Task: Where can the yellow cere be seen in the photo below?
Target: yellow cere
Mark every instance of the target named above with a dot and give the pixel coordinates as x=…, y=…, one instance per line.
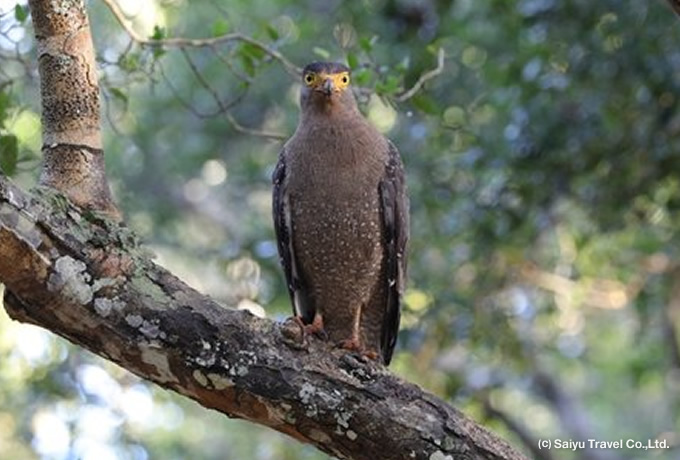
x=340, y=80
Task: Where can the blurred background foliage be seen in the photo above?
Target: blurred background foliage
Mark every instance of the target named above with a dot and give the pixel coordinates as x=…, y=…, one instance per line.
x=544, y=293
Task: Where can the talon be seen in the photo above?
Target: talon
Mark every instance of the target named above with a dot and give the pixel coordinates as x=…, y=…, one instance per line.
x=355, y=346
x=371, y=354
x=314, y=328
x=350, y=344
x=320, y=333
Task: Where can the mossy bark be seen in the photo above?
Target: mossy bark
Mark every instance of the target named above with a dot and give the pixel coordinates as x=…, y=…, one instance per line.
x=88, y=280
x=69, y=89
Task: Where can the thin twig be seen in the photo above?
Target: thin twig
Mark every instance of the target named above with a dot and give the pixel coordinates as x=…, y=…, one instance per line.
x=2, y=71
x=424, y=78
x=230, y=118
x=212, y=43
x=255, y=132
x=529, y=440
x=175, y=92
x=227, y=62
x=108, y=114
x=200, y=42
x=672, y=323
x=4, y=84
x=223, y=106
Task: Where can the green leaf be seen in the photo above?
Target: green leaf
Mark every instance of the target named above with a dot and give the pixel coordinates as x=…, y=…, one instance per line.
x=362, y=77
x=367, y=44
x=118, y=94
x=220, y=27
x=474, y=57
x=426, y=104
x=20, y=13
x=248, y=64
x=158, y=33
x=454, y=116
x=272, y=32
x=158, y=51
x=432, y=49
x=352, y=61
x=252, y=51
x=389, y=86
x=321, y=52
x=4, y=106
x=129, y=62
x=404, y=64
x=9, y=154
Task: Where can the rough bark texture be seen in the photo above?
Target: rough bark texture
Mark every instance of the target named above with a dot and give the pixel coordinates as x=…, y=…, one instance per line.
x=87, y=279
x=72, y=146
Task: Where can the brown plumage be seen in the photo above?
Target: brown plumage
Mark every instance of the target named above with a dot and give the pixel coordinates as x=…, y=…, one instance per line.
x=341, y=218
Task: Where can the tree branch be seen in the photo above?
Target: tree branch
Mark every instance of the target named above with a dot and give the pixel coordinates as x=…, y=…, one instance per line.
x=572, y=416
x=672, y=323
x=521, y=431
x=87, y=279
x=212, y=43
x=424, y=78
x=200, y=42
x=292, y=69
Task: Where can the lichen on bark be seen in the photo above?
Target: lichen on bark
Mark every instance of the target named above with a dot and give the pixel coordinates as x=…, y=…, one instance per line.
x=227, y=360
x=69, y=89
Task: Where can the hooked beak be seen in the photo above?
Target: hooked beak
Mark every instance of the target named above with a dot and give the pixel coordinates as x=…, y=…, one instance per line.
x=327, y=87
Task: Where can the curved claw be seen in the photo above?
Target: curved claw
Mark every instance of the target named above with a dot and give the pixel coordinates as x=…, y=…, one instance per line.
x=314, y=328
x=353, y=344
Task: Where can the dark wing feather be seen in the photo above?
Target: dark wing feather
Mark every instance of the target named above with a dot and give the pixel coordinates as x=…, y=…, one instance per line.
x=395, y=219
x=302, y=307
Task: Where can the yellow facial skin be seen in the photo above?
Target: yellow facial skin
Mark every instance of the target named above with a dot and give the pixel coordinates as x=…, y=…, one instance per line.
x=327, y=82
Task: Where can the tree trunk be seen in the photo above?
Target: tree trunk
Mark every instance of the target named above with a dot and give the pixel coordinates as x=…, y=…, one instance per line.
x=69, y=89
x=85, y=277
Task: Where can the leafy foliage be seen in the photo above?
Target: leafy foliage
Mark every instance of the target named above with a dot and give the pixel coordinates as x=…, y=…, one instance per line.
x=8, y=154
